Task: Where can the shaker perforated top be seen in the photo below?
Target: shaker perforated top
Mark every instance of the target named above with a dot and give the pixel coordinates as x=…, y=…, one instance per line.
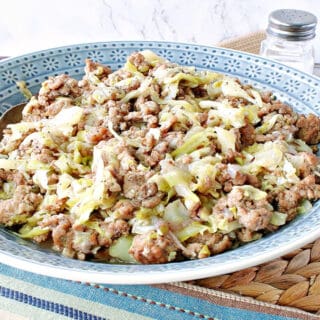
x=291, y=24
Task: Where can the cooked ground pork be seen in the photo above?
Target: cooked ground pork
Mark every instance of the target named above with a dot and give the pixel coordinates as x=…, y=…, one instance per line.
x=55, y=107
x=231, y=175
x=290, y=199
x=216, y=243
x=97, y=69
x=59, y=225
x=142, y=193
x=274, y=105
x=309, y=128
x=152, y=248
x=59, y=86
x=13, y=175
x=155, y=162
x=247, y=135
x=23, y=203
x=124, y=209
x=115, y=229
x=253, y=215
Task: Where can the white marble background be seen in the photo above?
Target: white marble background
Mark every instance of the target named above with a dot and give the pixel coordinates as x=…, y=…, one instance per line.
x=31, y=25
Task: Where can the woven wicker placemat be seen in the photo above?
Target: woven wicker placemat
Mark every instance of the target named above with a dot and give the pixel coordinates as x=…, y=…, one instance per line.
x=292, y=280
x=249, y=43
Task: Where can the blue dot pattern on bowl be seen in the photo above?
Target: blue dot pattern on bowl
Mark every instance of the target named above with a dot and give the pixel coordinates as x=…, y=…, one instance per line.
x=299, y=90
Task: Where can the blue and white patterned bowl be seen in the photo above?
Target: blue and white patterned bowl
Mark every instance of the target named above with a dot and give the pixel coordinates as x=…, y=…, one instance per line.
x=298, y=89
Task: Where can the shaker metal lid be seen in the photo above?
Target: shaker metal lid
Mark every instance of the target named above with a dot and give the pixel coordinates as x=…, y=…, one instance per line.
x=291, y=24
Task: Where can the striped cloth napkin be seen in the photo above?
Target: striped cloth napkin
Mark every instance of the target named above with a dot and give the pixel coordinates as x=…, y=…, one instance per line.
x=24, y=295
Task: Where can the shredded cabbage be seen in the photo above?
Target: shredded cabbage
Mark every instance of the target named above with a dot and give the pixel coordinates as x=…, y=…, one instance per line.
x=268, y=123
x=176, y=214
x=305, y=206
x=199, y=139
x=120, y=248
x=180, y=180
x=64, y=121
x=191, y=230
x=204, y=171
x=268, y=155
x=226, y=138
x=252, y=192
x=152, y=58
x=230, y=87
x=29, y=233
x=40, y=178
x=218, y=224
x=230, y=116
x=278, y=218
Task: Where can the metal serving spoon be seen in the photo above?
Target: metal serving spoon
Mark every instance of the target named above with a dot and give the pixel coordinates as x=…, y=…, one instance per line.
x=12, y=115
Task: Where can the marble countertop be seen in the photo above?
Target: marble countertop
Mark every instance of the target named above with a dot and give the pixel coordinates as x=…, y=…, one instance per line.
x=31, y=25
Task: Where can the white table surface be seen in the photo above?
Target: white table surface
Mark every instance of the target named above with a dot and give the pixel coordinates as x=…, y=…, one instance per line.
x=31, y=25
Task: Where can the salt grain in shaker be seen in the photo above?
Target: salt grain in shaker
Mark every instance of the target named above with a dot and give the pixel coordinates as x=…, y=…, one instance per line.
x=289, y=38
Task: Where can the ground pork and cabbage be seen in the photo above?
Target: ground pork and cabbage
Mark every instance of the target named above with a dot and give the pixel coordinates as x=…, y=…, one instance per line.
x=155, y=162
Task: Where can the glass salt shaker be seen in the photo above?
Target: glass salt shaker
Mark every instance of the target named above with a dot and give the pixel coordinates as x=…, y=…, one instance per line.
x=289, y=38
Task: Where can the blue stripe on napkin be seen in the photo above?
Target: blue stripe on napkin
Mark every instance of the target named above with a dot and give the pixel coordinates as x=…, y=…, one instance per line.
x=140, y=299
x=47, y=305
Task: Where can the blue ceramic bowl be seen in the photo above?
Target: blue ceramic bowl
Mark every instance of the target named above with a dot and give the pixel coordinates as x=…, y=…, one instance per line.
x=297, y=89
